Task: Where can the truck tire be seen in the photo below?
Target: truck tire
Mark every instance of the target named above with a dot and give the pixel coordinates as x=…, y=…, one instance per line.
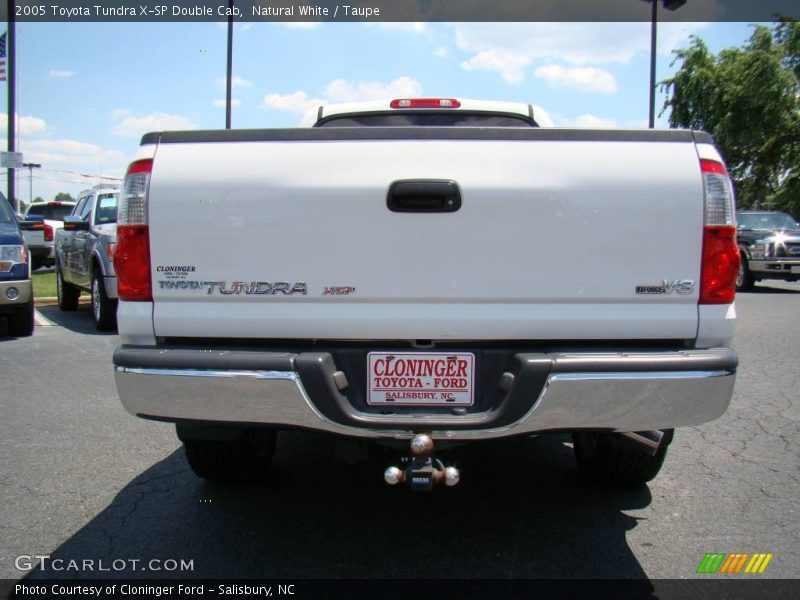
x=67, y=294
x=604, y=460
x=104, y=309
x=20, y=322
x=244, y=460
x=744, y=280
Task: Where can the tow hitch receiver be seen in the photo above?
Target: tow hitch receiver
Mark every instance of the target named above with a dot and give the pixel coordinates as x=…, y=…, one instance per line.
x=423, y=471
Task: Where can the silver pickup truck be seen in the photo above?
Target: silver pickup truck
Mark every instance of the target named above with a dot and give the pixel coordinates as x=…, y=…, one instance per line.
x=85, y=252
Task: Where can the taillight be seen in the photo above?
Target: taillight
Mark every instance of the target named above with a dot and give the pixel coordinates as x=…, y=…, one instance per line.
x=425, y=103
x=132, y=253
x=48, y=233
x=720, y=253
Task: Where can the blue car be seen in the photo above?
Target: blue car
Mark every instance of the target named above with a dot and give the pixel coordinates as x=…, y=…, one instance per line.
x=16, y=291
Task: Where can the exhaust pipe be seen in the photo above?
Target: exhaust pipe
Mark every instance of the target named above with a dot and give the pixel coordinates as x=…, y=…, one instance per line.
x=648, y=441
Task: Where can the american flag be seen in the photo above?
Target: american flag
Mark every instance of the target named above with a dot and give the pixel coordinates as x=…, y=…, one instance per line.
x=3, y=57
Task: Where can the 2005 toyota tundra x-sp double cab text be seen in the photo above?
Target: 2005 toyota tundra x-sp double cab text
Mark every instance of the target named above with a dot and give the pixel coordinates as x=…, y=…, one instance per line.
x=426, y=273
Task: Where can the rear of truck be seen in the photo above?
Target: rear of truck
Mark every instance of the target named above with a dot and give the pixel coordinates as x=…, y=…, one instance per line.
x=42, y=222
x=426, y=286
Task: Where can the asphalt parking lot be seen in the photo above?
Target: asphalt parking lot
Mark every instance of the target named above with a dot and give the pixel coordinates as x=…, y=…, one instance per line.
x=84, y=480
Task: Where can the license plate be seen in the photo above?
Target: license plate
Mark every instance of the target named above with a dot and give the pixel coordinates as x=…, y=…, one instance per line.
x=420, y=379
x=795, y=270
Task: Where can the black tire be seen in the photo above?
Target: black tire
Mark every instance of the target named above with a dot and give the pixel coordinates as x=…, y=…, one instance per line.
x=245, y=460
x=67, y=293
x=20, y=322
x=744, y=280
x=104, y=309
x=604, y=459
x=36, y=263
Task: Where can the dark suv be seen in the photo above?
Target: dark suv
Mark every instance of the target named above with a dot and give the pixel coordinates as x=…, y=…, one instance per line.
x=16, y=294
x=769, y=243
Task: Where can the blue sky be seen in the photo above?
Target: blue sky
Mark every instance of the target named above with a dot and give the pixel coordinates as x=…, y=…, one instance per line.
x=88, y=91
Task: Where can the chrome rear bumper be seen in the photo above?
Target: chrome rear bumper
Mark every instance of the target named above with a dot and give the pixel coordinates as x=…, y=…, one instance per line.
x=565, y=392
x=775, y=266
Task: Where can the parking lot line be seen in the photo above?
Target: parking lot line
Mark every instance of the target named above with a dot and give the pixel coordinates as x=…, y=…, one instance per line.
x=41, y=320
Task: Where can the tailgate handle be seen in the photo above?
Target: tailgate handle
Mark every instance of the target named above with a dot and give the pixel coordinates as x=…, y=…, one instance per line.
x=424, y=196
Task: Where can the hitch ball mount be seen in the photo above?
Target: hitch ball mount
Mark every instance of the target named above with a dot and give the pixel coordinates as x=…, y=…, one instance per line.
x=423, y=471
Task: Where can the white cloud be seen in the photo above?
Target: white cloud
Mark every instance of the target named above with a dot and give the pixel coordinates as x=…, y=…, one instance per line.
x=236, y=81
x=341, y=90
x=441, y=52
x=61, y=74
x=236, y=26
x=297, y=102
x=129, y=125
x=222, y=103
x=25, y=125
x=410, y=27
x=575, y=43
x=509, y=64
x=587, y=121
x=672, y=36
x=70, y=152
x=300, y=24
x=588, y=79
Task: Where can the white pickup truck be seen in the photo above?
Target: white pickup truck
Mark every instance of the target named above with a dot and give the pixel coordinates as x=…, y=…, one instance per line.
x=425, y=273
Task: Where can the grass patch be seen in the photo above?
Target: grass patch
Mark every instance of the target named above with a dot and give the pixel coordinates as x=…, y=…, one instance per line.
x=44, y=284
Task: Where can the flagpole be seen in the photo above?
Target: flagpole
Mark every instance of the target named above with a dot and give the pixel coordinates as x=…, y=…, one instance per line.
x=11, y=70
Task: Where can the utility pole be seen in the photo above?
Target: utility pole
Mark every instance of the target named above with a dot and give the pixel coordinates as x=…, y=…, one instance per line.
x=653, y=33
x=671, y=5
x=229, y=77
x=31, y=167
x=11, y=60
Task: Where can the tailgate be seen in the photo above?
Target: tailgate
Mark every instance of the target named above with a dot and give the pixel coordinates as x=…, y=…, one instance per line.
x=551, y=241
x=32, y=233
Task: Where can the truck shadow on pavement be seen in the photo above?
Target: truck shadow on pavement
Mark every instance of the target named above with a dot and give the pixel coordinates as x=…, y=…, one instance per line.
x=764, y=289
x=521, y=511
x=79, y=321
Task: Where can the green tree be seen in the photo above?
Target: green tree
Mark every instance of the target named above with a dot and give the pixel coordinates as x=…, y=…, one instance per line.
x=747, y=98
x=64, y=197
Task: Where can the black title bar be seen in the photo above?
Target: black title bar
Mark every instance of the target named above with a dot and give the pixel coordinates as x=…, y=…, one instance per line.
x=724, y=588
x=397, y=10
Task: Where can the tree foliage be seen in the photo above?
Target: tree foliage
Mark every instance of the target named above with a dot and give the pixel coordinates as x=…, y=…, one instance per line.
x=749, y=100
x=64, y=197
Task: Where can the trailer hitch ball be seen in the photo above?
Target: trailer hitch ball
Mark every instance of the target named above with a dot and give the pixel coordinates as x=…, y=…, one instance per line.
x=451, y=476
x=421, y=445
x=393, y=476
x=423, y=471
